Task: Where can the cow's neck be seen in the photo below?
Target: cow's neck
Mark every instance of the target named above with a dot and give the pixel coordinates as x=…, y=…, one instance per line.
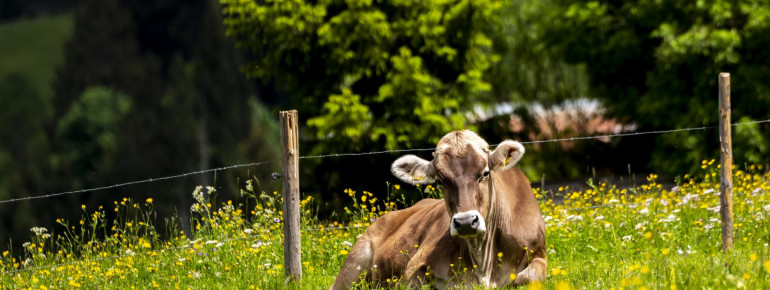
x=483, y=249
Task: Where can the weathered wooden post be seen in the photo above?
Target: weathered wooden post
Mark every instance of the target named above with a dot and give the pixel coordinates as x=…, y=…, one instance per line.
x=726, y=152
x=292, y=256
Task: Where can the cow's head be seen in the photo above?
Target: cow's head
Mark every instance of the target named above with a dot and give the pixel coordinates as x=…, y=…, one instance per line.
x=461, y=164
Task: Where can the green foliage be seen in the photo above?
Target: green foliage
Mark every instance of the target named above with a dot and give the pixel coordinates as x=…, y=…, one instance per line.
x=655, y=63
x=24, y=149
x=90, y=129
x=396, y=74
x=531, y=70
x=750, y=144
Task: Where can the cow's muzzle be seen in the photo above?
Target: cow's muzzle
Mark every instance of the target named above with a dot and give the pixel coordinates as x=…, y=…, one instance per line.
x=467, y=224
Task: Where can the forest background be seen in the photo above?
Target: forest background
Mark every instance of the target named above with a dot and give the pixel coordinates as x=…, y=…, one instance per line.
x=100, y=92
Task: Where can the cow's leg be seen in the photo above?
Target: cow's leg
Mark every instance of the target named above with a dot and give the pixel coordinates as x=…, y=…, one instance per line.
x=359, y=260
x=536, y=271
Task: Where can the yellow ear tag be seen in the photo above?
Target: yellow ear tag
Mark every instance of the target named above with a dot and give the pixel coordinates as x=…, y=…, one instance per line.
x=417, y=178
x=507, y=160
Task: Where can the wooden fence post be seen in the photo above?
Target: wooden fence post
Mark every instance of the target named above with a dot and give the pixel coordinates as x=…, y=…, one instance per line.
x=726, y=152
x=292, y=256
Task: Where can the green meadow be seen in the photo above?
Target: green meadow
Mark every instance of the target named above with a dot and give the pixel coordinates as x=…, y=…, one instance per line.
x=604, y=237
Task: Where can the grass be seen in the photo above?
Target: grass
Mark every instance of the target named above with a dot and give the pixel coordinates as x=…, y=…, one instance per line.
x=35, y=48
x=600, y=238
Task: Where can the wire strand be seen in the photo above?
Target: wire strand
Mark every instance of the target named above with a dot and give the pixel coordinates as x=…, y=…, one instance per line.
x=364, y=154
x=135, y=182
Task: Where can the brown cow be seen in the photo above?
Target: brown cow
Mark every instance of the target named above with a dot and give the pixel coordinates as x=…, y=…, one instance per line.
x=487, y=227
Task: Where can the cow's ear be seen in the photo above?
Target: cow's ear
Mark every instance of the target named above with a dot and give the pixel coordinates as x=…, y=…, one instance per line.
x=413, y=170
x=506, y=155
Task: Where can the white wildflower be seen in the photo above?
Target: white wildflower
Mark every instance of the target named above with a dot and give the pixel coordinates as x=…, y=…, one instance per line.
x=644, y=211
x=248, y=231
x=669, y=218
x=715, y=209
x=198, y=194
x=601, y=217
x=767, y=207
x=574, y=218
x=347, y=244
x=38, y=230
x=210, y=242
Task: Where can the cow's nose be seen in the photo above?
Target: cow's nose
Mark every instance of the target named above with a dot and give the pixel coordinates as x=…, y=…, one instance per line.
x=467, y=224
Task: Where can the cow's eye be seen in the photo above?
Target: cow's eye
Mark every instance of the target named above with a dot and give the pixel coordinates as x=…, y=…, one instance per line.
x=485, y=174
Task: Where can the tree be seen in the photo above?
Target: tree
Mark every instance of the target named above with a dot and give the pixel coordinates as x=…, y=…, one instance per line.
x=369, y=75
x=655, y=63
x=24, y=151
x=359, y=71
x=189, y=104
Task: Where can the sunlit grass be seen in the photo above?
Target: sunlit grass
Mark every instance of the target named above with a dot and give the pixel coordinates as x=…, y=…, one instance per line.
x=604, y=237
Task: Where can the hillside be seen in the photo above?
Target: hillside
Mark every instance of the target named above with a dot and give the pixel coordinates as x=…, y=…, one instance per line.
x=34, y=48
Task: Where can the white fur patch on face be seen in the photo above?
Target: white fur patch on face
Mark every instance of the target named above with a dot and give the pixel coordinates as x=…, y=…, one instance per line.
x=413, y=170
x=481, y=228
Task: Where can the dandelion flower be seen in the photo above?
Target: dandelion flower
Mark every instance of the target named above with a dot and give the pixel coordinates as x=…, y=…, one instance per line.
x=767, y=266
x=563, y=285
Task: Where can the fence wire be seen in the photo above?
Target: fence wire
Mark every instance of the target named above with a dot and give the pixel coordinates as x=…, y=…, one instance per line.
x=364, y=154
x=135, y=182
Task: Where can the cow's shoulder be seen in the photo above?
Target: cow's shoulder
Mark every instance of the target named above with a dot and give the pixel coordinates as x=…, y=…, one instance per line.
x=416, y=218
